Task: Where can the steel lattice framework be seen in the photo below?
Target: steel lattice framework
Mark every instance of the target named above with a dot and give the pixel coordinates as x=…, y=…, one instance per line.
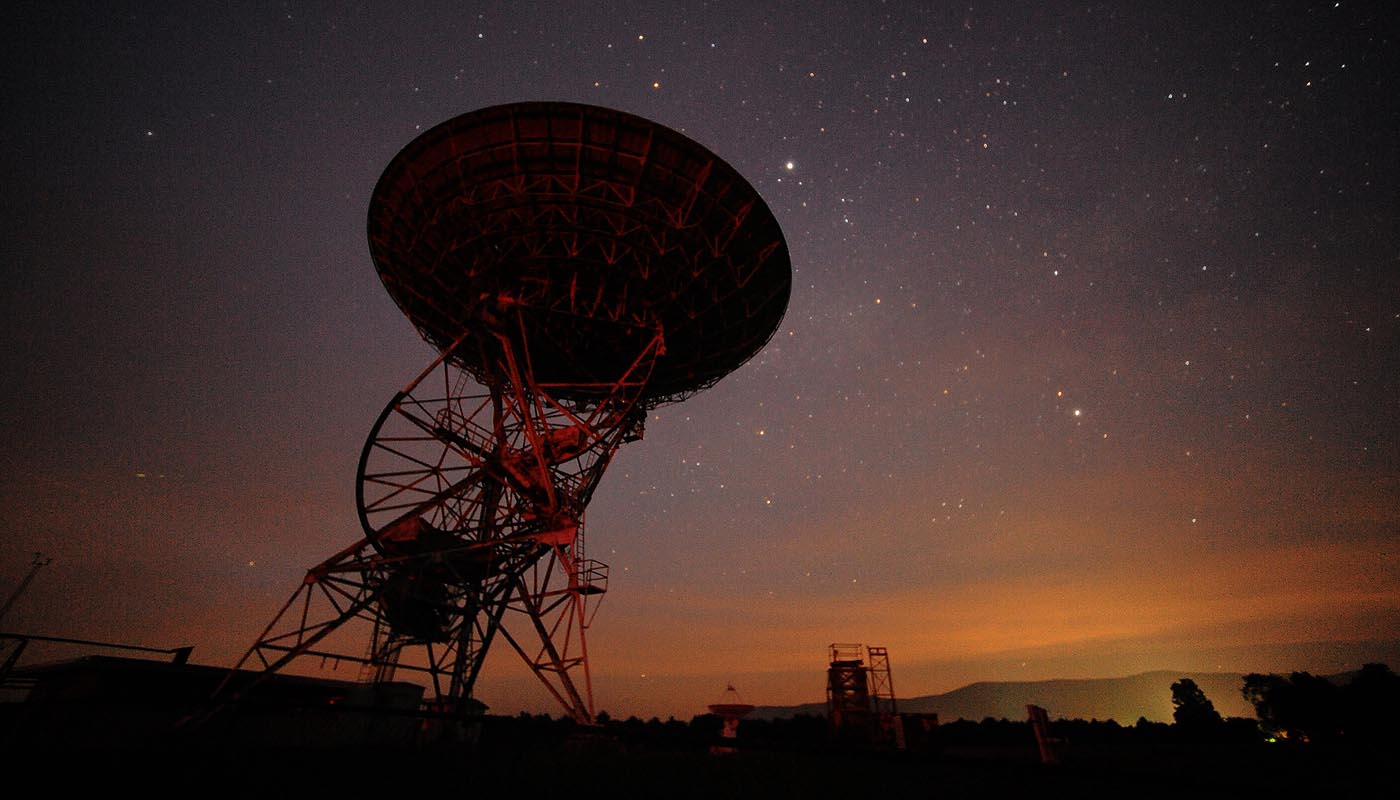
x=575, y=267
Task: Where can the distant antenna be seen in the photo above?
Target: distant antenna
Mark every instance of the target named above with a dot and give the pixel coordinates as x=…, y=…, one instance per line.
x=40, y=561
x=730, y=709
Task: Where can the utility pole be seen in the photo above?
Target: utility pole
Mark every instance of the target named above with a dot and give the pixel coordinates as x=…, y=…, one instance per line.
x=40, y=561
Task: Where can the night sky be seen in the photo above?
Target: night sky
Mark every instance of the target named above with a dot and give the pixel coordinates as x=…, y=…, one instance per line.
x=1091, y=366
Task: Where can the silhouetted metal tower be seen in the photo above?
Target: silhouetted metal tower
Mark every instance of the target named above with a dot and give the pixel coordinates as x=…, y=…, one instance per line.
x=881, y=683
x=859, y=696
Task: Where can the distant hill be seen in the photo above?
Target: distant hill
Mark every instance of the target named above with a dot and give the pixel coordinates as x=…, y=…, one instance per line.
x=1122, y=699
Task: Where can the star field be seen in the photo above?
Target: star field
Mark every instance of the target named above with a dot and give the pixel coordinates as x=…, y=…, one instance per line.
x=1089, y=367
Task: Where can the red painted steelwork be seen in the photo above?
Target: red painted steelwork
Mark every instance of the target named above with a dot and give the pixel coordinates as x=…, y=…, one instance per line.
x=575, y=266
x=600, y=227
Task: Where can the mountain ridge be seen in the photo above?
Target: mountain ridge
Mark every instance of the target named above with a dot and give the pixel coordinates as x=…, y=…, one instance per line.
x=1122, y=699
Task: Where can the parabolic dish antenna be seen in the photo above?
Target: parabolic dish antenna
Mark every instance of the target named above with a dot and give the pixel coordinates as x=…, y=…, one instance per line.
x=574, y=266
x=600, y=227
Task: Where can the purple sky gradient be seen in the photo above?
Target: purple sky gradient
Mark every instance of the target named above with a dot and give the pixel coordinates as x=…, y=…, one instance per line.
x=1092, y=362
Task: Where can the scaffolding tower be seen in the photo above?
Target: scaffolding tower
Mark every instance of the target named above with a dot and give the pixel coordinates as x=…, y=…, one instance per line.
x=860, y=702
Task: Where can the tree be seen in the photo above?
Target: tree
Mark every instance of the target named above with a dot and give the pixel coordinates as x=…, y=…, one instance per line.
x=1301, y=706
x=1371, y=705
x=1192, y=710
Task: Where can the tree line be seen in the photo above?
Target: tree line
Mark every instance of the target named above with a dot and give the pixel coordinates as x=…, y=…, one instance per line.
x=1311, y=708
x=1363, y=707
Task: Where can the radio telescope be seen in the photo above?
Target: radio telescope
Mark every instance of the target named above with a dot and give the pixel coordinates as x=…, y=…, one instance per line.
x=575, y=267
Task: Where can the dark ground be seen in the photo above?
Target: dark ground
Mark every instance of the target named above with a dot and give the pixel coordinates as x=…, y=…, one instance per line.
x=606, y=769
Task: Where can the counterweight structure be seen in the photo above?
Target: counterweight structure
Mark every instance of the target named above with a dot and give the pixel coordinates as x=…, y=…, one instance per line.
x=575, y=267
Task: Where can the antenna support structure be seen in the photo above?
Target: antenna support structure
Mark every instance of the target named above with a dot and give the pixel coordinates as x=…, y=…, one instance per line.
x=574, y=267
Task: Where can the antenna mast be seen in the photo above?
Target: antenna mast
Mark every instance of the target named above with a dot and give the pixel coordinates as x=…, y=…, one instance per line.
x=40, y=561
